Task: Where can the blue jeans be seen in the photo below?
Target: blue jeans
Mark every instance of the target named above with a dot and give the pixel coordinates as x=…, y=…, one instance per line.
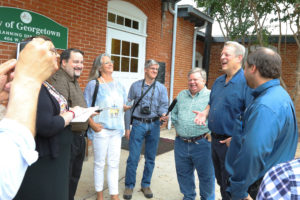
x=140, y=131
x=191, y=156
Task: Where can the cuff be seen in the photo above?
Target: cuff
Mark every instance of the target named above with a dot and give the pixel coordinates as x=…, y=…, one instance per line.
x=22, y=137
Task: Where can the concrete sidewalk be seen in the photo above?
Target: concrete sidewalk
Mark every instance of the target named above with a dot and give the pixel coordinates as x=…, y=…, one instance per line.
x=164, y=181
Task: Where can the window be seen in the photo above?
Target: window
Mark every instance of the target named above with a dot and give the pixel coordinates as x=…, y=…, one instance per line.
x=125, y=55
x=123, y=21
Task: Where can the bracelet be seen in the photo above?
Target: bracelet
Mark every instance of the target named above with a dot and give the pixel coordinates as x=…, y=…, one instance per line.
x=72, y=113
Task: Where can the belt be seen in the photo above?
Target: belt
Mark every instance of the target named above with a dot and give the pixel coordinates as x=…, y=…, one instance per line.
x=146, y=120
x=192, y=139
x=219, y=136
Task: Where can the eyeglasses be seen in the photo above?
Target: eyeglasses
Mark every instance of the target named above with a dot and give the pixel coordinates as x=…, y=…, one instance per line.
x=109, y=62
x=54, y=50
x=153, y=68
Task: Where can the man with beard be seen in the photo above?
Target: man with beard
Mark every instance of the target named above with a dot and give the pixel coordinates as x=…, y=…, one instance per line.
x=65, y=82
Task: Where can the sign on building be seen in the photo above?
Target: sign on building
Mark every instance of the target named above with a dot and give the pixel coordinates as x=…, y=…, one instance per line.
x=17, y=24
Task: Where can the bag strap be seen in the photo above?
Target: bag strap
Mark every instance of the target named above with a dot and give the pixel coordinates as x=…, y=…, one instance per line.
x=138, y=101
x=95, y=92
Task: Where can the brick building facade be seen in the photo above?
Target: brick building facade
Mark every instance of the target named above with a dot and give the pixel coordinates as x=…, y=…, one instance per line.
x=87, y=25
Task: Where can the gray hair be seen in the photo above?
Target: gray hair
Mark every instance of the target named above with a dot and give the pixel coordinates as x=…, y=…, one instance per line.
x=239, y=49
x=199, y=70
x=150, y=62
x=95, y=73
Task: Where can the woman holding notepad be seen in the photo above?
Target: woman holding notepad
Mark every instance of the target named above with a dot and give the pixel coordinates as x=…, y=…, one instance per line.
x=107, y=128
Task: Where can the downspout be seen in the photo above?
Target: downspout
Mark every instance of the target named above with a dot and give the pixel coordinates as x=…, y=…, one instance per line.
x=195, y=43
x=174, y=12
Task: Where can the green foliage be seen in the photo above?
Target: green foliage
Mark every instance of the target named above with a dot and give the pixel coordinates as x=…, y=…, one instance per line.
x=243, y=19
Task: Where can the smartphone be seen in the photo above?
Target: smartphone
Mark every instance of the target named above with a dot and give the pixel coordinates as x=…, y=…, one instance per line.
x=20, y=46
x=101, y=109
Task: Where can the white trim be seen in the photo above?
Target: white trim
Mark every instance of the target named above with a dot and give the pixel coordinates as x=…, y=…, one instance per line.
x=129, y=10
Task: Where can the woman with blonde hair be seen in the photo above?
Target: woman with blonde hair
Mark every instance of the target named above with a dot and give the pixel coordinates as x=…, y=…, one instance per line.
x=107, y=128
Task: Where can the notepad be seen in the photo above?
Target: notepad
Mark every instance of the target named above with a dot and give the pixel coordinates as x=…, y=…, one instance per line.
x=85, y=114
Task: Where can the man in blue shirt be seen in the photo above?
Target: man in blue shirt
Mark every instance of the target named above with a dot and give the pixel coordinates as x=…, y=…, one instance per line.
x=192, y=149
x=269, y=127
x=229, y=97
x=145, y=126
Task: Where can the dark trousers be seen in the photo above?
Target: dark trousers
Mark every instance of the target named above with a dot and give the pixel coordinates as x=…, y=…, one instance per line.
x=218, y=155
x=253, y=189
x=76, y=161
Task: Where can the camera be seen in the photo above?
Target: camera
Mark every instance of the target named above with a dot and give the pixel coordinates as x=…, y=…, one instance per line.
x=145, y=110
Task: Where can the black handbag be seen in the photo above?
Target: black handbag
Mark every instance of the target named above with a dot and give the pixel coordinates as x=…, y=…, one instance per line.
x=94, y=100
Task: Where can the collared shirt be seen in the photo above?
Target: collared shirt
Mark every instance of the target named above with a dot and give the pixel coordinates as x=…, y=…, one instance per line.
x=70, y=89
x=281, y=182
x=269, y=136
x=227, y=101
x=183, y=116
x=158, y=104
x=111, y=96
x=17, y=152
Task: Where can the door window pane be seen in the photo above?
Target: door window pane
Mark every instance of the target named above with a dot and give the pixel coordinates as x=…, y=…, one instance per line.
x=135, y=25
x=111, y=17
x=134, y=65
x=125, y=48
x=134, y=50
x=120, y=20
x=125, y=65
x=128, y=22
x=125, y=54
x=116, y=60
x=115, y=46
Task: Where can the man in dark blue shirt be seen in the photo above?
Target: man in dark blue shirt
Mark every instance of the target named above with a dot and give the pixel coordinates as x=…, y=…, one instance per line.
x=269, y=127
x=145, y=126
x=229, y=97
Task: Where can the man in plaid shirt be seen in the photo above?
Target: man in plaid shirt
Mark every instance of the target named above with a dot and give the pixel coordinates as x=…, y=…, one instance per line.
x=281, y=182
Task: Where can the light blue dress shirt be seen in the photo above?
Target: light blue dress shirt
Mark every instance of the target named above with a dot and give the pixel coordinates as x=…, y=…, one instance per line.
x=17, y=152
x=159, y=103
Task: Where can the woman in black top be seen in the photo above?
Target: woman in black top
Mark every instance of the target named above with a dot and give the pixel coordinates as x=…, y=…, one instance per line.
x=48, y=178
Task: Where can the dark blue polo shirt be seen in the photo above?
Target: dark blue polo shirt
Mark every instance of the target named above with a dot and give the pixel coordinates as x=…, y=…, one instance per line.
x=227, y=102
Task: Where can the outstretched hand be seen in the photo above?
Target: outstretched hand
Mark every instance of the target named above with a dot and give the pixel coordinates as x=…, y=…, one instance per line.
x=200, y=118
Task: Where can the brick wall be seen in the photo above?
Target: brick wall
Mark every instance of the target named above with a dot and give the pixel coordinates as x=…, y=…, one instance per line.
x=86, y=21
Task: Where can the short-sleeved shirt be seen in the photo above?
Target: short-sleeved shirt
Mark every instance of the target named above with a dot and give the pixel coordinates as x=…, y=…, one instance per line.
x=183, y=116
x=111, y=97
x=227, y=102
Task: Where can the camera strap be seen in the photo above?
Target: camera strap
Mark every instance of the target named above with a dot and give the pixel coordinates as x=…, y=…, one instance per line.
x=142, y=95
x=147, y=91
